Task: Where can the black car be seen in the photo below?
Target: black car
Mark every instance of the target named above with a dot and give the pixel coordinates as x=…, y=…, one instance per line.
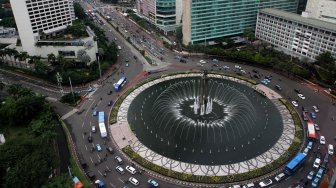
x=91, y=175
x=109, y=103
x=278, y=87
x=135, y=57
x=297, y=90
x=256, y=76
x=110, y=92
x=255, y=71
x=90, y=139
x=183, y=60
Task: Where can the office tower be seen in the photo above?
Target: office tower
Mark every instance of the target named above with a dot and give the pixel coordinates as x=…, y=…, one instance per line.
x=296, y=35
x=205, y=20
x=39, y=18
x=164, y=14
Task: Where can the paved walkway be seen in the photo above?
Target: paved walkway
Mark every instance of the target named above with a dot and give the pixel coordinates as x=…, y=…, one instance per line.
x=123, y=136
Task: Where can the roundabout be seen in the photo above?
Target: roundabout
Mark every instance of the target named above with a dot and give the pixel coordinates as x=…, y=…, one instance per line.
x=204, y=124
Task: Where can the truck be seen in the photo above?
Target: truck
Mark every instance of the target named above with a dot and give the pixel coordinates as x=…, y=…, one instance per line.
x=101, y=123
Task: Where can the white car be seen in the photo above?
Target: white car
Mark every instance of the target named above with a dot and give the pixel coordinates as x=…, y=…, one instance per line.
x=301, y=96
x=322, y=140
x=295, y=103
x=330, y=149
x=131, y=169
x=315, y=109
x=134, y=181
x=317, y=163
x=202, y=61
x=265, y=183
x=280, y=177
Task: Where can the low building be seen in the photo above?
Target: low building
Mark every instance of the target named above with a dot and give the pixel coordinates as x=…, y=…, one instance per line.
x=294, y=34
x=7, y=32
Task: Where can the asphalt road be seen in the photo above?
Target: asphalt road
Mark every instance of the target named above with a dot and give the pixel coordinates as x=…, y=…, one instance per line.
x=80, y=125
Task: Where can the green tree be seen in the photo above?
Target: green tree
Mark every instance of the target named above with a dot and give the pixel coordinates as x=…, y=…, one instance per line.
x=51, y=58
x=8, y=22
x=249, y=34
x=41, y=68
x=179, y=34
x=325, y=59
x=23, y=57
x=79, y=11
x=62, y=181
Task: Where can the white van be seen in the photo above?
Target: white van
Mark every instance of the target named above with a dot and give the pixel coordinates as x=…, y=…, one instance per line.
x=330, y=149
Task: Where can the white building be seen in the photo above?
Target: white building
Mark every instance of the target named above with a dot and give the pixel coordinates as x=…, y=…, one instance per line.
x=296, y=35
x=321, y=9
x=38, y=20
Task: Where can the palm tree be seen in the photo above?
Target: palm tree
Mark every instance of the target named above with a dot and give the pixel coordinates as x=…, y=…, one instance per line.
x=2, y=55
x=17, y=56
x=8, y=52
x=14, y=89
x=24, y=57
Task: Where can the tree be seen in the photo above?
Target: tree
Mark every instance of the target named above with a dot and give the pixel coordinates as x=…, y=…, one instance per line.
x=8, y=22
x=79, y=11
x=23, y=57
x=82, y=56
x=325, y=58
x=179, y=34
x=41, y=68
x=2, y=54
x=59, y=182
x=249, y=34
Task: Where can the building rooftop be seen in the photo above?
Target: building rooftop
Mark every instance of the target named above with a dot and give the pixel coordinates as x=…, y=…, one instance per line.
x=298, y=18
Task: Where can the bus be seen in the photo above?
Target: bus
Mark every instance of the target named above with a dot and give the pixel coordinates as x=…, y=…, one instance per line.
x=101, y=123
x=120, y=83
x=311, y=130
x=295, y=164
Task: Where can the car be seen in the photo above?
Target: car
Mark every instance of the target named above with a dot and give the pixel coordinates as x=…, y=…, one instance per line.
x=93, y=128
x=319, y=173
x=310, y=175
x=265, y=183
x=110, y=150
x=280, y=177
x=322, y=140
x=256, y=76
x=267, y=80
x=295, y=103
x=135, y=57
x=255, y=71
x=278, y=87
x=199, y=65
x=330, y=149
x=133, y=181
x=243, y=71
x=120, y=170
x=313, y=115
x=237, y=67
x=130, y=169
x=90, y=139
x=306, y=151
x=317, y=163
x=304, y=116
x=202, y=61
x=310, y=145
x=109, y=103
x=153, y=183
x=126, y=65
x=183, y=61
x=118, y=159
x=264, y=82
x=315, y=182
x=91, y=175
x=226, y=67
x=98, y=147
x=127, y=60
x=94, y=113
x=315, y=108
x=301, y=96
x=297, y=91
x=316, y=127
x=249, y=185
x=234, y=186
x=110, y=92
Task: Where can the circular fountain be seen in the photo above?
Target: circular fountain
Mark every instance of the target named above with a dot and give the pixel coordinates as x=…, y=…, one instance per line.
x=205, y=120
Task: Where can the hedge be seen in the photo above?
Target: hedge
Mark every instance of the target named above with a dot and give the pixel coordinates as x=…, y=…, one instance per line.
x=278, y=163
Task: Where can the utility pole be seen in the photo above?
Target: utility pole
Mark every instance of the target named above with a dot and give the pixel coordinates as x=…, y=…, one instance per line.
x=59, y=82
x=73, y=96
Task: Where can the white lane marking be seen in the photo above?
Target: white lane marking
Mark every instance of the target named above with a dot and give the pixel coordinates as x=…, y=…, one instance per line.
x=121, y=180
x=86, y=147
x=83, y=124
x=91, y=160
x=83, y=136
x=69, y=114
x=98, y=156
x=112, y=185
x=100, y=172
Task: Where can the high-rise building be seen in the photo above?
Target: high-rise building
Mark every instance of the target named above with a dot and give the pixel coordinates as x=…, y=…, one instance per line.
x=301, y=6
x=40, y=23
x=204, y=20
x=296, y=35
x=37, y=18
x=321, y=9
x=164, y=14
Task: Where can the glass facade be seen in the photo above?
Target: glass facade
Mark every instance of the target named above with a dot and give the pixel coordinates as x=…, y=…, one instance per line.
x=212, y=19
x=166, y=14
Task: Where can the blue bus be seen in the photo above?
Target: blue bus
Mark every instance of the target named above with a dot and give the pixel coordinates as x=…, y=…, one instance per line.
x=295, y=164
x=120, y=83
